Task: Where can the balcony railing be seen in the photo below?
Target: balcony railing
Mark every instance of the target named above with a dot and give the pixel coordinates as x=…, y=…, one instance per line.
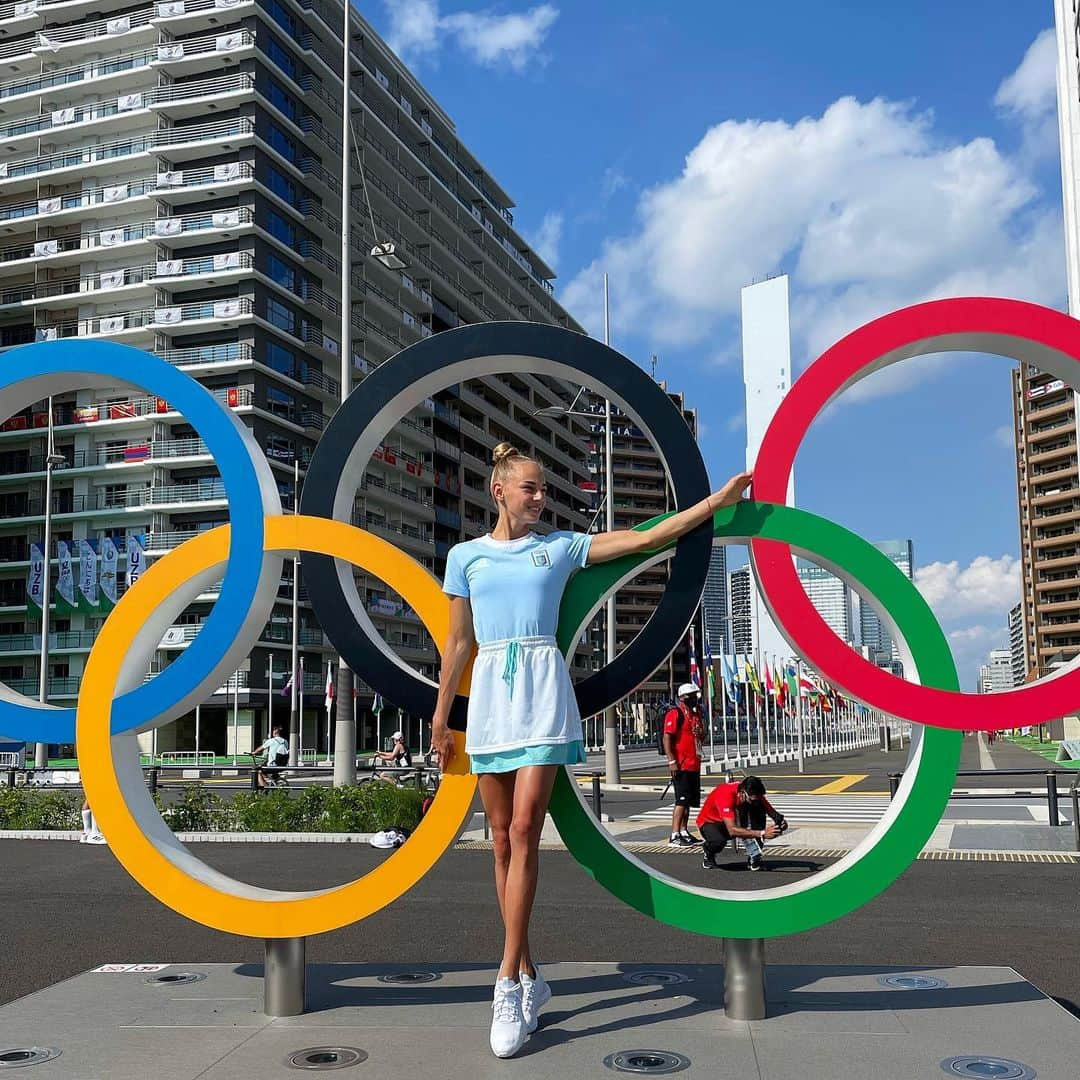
x=48, y=39
x=179, y=179
x=166, y=51
x=208, y=354
x=158, y=318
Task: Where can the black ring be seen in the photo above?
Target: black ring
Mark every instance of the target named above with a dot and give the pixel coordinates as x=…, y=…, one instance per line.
x=403, y=382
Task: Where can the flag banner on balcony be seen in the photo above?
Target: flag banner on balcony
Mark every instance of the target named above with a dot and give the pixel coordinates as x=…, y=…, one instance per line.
x=89, y=603
x=111, y=324
x=48, y=206
x=110, y=237
x=65, y=580
x=228, y=260
x=225, y=219
x=120, y=25
x=126, y=102
x=228, y=42
x=25, y=7
x=114, y=193
x=230, y=170
x=228, y=3
x=108, y=579
x=137, y=453
x=35, y=581
x=136, y=557
x=45, y=42
x=169, y=316
x=169, y=268
x=226, y=309
x=110, y=279
x=47, y=247
x=3, y=168
x=170, y=10
x=168, y=226
x=62, y=116
x=45, y=333
x=173, y=51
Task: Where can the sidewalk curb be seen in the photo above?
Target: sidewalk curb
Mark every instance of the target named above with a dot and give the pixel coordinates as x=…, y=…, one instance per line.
x=207, y=837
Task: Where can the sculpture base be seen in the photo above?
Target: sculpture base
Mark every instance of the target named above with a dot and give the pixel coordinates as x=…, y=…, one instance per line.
x=832, y=1023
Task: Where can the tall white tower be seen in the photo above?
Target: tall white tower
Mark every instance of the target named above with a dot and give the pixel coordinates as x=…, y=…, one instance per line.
x=766, y=340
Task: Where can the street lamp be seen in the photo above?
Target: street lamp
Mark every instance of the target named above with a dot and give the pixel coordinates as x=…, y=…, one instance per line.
x=52, y=461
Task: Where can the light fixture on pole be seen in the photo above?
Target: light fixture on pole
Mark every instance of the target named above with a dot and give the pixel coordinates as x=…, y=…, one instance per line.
x=52, y=460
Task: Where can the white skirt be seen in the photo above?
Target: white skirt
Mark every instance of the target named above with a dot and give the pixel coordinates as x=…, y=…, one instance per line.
x=521, y=695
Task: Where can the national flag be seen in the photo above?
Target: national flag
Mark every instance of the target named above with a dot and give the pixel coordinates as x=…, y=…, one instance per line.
x=329, y=685
x=752, y=676
x=695, y=676
x=88, y=577
x=66, y=603
x=709, y=674
x=729, y=678
x=108, y=578
x=377, y=704
x=769, y=688
x=136, y=557
x=792, y=683
x=35, y=581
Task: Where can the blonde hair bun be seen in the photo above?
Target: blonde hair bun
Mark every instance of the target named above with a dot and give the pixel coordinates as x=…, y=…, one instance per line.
x=504, y=451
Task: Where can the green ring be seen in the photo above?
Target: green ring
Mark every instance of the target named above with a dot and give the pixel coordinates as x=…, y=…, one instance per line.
x=890, y=847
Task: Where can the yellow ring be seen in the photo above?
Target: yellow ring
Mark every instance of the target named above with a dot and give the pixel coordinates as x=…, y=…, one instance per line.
x=165, y=868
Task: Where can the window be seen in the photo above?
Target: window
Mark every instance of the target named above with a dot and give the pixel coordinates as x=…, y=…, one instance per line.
x=278, y=227
x=280, y=314
x=281, y=16
x=280, y=57
x=281, y=186
x=280, y=403
x=281, y=272
x=281, y=359
x=282, y=143
x=283, y=100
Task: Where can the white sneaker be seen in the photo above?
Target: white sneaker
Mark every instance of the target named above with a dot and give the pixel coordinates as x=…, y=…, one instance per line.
x=83, y=837
x=96, y=838
x=508, y=1032
x=535, y=994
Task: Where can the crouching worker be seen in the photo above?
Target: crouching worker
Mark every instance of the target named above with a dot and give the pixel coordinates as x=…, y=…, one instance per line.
x=739, y=810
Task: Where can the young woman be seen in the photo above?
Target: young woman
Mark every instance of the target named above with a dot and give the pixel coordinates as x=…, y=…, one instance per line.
x=523, y=720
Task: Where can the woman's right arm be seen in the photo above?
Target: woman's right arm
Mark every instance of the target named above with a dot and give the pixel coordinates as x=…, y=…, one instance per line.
x=459, y=647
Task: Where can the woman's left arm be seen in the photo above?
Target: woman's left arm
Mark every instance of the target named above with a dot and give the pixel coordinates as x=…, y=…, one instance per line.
x=613, y=545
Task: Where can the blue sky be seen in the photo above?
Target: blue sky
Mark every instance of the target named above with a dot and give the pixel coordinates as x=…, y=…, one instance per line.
x=879, y=155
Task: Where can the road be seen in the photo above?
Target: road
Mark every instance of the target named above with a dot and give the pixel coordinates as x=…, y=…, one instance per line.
x=68, y=907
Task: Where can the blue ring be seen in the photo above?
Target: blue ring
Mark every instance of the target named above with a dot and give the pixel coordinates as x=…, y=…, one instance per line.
x=241, y=481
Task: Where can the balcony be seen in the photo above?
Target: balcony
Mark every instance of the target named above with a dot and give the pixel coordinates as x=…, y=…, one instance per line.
x=53, y=40
x=187, y=15
x=98, y=70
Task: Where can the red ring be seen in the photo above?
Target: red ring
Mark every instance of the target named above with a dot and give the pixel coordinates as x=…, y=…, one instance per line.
x=1028, y=333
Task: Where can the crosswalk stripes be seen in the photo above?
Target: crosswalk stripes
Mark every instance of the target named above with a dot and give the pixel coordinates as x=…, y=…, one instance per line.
x=857, y=810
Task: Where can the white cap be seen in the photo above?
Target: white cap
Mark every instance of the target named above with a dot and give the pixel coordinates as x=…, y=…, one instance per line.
x=397, y=735
x=688, y=688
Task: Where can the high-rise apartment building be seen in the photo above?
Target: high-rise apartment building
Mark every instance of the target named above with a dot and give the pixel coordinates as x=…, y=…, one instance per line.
x=997, y=674
x=830, y=596
x=641, y=492
x=1016, y=644
x=715, y=600
x=1048, y=483
x=170, y=179
x=872, y=632
x=741, y=590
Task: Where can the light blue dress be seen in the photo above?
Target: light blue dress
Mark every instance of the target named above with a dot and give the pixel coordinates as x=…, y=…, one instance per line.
x=522, y=708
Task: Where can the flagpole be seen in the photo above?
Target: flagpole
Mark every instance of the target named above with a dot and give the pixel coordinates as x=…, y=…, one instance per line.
x=295, y=720
x=270, y=695
x=41, y=750
x=707, y=657
x=198, y=720
x=298, y=690
x=236, y=715
x=723, y=701
x=800, y=750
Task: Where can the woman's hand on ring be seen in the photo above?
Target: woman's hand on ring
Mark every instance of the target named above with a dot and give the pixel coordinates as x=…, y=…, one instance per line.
x=443, y=740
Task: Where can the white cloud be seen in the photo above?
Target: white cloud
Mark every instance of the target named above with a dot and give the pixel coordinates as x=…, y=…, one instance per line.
x=417, y=29
x=970, y=646
x=1029, y=96
x=614, y=179
x=868, y=206
x=547, y=238
x=987, y=586
x=1004, y=436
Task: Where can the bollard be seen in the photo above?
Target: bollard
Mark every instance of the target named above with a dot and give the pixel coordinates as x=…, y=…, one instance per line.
x=1052, y=798
x=744, y=978
x=11, y=778
x=894, y=785
x=1075, y=792
x=285, y=976
x=153, y=781
x=596, y=795
x=254, y=780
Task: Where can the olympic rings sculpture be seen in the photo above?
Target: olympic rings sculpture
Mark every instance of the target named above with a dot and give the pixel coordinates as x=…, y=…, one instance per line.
x=105, y=724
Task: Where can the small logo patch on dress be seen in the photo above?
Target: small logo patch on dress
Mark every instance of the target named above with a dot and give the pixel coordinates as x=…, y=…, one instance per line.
x=541, y=558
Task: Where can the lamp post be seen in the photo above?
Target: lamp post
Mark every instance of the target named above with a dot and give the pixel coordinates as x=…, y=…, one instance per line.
x=52, y=460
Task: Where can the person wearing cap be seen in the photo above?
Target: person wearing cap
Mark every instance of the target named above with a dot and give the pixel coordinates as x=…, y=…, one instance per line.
x=399, y=755
x=683, y=732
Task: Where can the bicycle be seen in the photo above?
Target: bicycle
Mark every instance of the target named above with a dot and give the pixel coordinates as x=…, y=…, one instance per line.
x=274, y=775
x=416, y=776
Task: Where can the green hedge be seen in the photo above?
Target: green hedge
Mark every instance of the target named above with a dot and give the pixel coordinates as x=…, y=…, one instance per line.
x=367, y=808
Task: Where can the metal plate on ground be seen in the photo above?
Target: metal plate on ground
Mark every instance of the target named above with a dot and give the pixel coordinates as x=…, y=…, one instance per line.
x=178, y=978
x=912, y=982
x=984, y=1065
x=326, y=1058
x=647, y=1062
x=656, y=978
x=18, y=1057
x=410, y=978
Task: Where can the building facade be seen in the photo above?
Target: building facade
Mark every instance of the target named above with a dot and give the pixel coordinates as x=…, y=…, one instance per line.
x=830, y=596
x=170, y=180
x=741, y=591
x=997, y=675
x=872, y=632
x=715, y=600
x=1016, y=644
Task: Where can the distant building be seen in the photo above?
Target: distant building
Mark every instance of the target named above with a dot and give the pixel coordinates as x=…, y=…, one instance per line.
x=872, y=632
x=1001, y=672
x=741, y=590
x=1016, y=645
x=830, y=596
x=715, y=599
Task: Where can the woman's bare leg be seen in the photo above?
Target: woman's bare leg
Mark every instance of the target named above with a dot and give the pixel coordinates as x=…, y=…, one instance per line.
x=532, y=791
x=497, y=795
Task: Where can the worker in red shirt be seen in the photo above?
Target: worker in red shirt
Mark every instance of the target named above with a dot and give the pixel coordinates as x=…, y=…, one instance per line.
x=738, y=810
x=683, y=731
